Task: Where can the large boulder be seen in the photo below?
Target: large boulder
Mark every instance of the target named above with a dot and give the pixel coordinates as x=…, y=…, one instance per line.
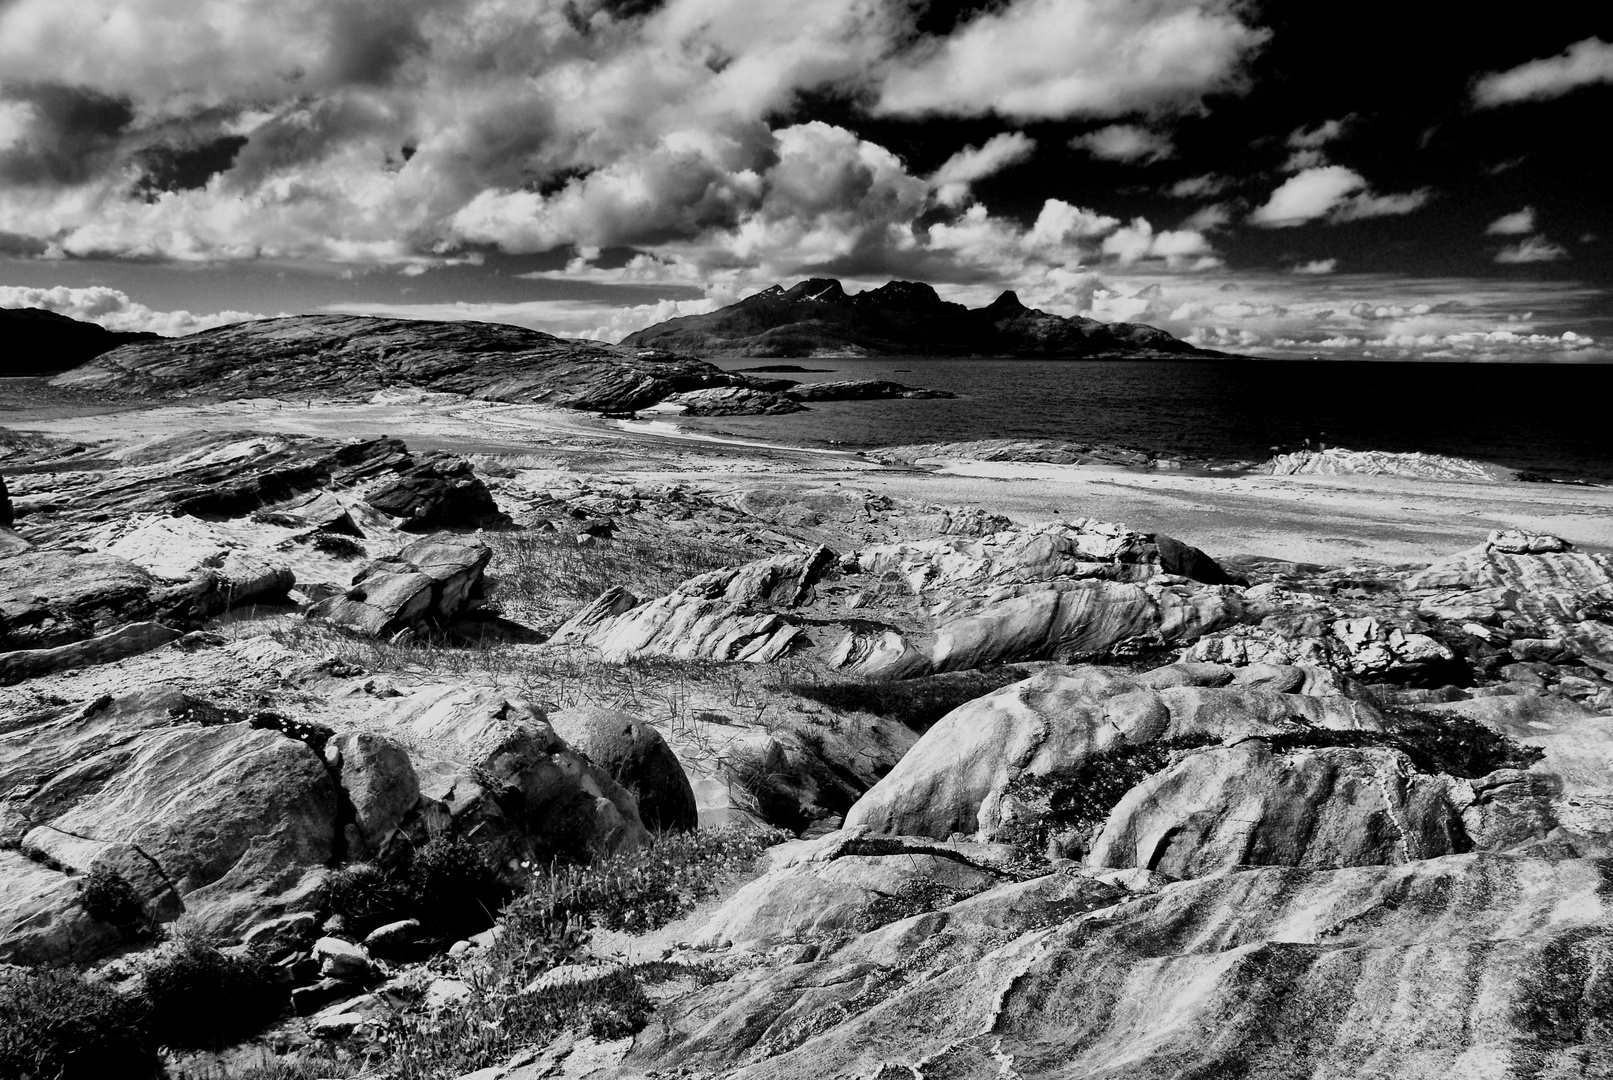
x=636, y=757
x=380, y=784
x=968, y=772
x=438, y=492
x=430, y=582
x=51, y=597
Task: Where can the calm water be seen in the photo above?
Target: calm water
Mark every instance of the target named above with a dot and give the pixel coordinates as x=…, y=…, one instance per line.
x=1553, y=418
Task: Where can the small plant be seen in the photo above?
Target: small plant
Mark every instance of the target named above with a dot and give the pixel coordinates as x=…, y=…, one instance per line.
x=448, y=885
x=198, y=997
x=106, y=896
x=57, y=1025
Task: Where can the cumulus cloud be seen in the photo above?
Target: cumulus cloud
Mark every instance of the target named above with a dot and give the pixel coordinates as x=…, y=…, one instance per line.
x=1514, y=224
x=1050, y=59
x=114, y=309
x=1316, y=266
x=952, y=180
x=1125, y=142
x=1333, y=193
x=1532, y=249
x=1583, y=63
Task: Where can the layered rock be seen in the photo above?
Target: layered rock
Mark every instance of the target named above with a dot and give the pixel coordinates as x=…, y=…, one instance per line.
x=1337, y=461
x=1422, y=970
x=735, y=401
x=428, y=583
x=941, y=605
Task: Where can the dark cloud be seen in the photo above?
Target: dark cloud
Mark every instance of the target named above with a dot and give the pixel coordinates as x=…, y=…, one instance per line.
x=170, y=168
x=69, y=133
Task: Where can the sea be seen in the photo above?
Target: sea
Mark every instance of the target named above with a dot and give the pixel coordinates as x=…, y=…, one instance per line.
x=1551, y=419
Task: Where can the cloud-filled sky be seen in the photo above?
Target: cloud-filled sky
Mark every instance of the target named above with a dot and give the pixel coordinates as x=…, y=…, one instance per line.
x=1279, y=179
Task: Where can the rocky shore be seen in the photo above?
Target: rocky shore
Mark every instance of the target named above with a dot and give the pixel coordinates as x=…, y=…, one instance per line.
x=1056, y=793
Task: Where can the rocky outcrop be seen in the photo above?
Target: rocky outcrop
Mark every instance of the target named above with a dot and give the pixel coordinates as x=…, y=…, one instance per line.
x=232, y=821
x=1366, y=648
x=860, y=390
x=349, y=355
x=735, y=401
x=901, y=318
x=125, y=641
x=40, y=342
x=1422, y=970
x=1337, y=461
x=1533, y=593
x=439, y=491
x=943, y=605
x=636, y=757
x=428, y=583
x=50, y=598
x=1045, y=451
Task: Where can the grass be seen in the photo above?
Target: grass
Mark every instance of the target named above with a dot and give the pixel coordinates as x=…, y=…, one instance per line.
x=57, y=1025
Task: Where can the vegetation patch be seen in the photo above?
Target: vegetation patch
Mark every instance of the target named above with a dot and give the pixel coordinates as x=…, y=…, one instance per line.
x=1435, y=743
x=448, y=884
x=916, y=703
x=106, y=896
x=57, y=1025
x=914, y=898
x=198, y=997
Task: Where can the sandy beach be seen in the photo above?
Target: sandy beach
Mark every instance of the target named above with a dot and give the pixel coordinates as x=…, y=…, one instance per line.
x=1323, y=519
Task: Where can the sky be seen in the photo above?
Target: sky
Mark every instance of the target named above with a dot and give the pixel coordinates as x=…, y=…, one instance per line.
x=1363, y=180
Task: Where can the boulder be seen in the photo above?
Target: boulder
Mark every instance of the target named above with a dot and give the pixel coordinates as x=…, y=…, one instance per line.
x=1248, y=805
x=439, y=491
x=119, y=644
x=636, y=757
x=492, y=769
x=51, y=597
x=380, y=783
x=431, y=581
x=1363, y=648
x=41, y=919
x=735, y=401
x=342, y=960
x=958, y=775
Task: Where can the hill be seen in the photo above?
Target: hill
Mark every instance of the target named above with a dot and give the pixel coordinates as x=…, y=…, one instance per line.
x=40, y=342
x=819, y=318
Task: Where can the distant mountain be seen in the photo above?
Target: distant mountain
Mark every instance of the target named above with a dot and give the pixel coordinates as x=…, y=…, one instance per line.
x=903, y=318
x=34, y=341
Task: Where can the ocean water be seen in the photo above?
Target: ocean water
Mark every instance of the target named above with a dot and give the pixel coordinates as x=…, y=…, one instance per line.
x=1554, y=419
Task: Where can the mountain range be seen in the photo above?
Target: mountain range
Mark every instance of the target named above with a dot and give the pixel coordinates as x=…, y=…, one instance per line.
x=817, y=317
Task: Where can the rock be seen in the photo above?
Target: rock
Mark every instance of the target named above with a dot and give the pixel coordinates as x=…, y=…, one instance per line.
x=380, y=784
x=962, y=774
x=1363, y=648
x=735, y=401
x=126, y=641
x=41, y=920
x=636, y=757
x=860, y=390
x=1266, y=972
x=428, y=582
x=301, y=355
x=949, y=604
x=493, y=769
x=392, y=938
x=227, y=824
x=7, y=514
x=55, y=597
x=1337, y=461
x=292, y=931
x=342, y=960
x=1534, y=582
x=306, y=1000
x=438, y=492
x=901, y=318
x=1246, y=805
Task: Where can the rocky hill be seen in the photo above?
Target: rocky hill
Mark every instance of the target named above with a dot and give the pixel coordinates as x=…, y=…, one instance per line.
x=902, y=318
x=352, y=354
x=40, y=342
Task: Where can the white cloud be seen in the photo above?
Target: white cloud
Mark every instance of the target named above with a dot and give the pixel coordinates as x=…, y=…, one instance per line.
x=1532, y=249
x=952, y=179
x=1205, y=186
x=1332, y=192
x=1207, y=218
x=1181, y=247
x=1583, y=63
x=1303, y=159
x=113, y=309
x=1320, y=135
x=1125, y=142
x=1062, y=58
x=1316, y=266
x=1514, y=224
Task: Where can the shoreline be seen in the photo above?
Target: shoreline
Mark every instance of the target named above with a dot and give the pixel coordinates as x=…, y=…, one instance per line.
x=1328, y=519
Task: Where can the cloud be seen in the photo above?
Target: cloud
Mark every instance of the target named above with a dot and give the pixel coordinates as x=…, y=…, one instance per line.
x=1051, y=59
x=1208, y=218
x=1330, y=192
x=1320, y=135
x=1532, y=249
x=1206, y=186
x=1583, y=63
x=113, y=309
x=1514, y=224
x=1181, y=247
x=1316, y=266
x=1125, y=142
x=952, y=179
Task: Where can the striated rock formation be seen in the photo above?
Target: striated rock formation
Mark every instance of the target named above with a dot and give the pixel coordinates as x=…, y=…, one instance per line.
x=939, y=605
x=735, y=401
x=818, y=318
x=1337, y=461
x=430, y=582
x=40, y=342
x=350, y=354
